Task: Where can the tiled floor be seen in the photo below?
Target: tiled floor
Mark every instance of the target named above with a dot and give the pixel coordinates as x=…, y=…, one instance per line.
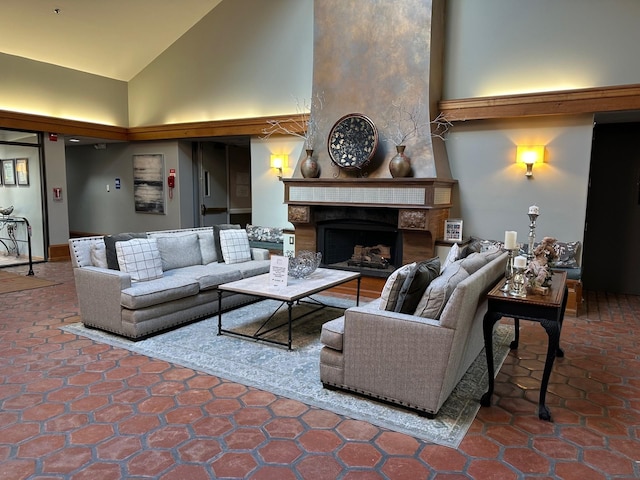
x=71, y=408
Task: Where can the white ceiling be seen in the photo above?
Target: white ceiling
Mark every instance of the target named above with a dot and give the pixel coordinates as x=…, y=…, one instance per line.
x=111, y=38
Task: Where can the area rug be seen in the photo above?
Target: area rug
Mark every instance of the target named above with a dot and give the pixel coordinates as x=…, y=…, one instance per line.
x=295, y=374
x=12, y=282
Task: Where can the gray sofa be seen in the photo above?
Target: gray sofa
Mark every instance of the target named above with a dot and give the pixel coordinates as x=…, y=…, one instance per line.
x=186, y=269
x=413, y=359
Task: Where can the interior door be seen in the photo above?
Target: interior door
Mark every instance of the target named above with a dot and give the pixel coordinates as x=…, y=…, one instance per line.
x=611, y=257
x=212, y=160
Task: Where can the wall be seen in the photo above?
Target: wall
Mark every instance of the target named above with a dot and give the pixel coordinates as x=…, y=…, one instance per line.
x=247, y=58
x=267, y=193
x=41, y=89
x=56, y=176
x=493, y=192
x=498, y=47
x=94, y=210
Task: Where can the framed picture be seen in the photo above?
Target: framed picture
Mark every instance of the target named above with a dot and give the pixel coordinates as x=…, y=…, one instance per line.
x=22, y=171
x=9, y=172
x=453, y=230
x=148, y=183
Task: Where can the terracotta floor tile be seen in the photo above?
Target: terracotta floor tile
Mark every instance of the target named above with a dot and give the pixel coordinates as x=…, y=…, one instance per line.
x=68, y=404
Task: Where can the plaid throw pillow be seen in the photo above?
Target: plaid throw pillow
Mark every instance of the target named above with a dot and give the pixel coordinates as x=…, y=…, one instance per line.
x=140, y=258
x=235, y=246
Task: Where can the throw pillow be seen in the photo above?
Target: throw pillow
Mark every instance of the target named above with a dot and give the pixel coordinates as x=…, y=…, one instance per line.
x=452, y=256
x=567, y=254
x=216, y=237
x=98, y=255
x=207, y=247
x=140, y=258
x=391, y=289
x=235, y=246
x=110, y=245
x=181, y=250
x=416, y=283
x=474, y=262
x=439, y=290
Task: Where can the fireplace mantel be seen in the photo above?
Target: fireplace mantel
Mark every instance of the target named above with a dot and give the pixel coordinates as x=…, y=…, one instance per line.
x=414, y=193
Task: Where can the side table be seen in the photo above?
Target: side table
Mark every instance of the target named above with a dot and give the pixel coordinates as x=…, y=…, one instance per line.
x=548, y=310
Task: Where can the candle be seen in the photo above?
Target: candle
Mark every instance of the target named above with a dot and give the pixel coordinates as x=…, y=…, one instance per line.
x=534, y=210
x=510, y=238
x=520, y=261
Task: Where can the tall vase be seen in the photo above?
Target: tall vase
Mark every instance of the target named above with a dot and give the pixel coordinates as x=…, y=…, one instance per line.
x=400, y=164
x=309, y=167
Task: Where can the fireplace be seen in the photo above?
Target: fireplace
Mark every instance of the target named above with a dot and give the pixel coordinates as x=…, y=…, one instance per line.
x=373, y=248
x=336, y=215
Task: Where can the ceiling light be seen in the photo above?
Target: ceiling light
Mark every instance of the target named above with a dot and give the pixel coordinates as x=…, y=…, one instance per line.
x=74, y=140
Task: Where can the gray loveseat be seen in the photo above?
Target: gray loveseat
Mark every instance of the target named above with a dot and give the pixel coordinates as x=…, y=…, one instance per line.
x=413, y=359
x=176, y=283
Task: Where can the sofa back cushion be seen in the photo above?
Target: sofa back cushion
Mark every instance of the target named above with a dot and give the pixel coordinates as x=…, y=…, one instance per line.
x=439, y=290
x=140, y=258
x=179, y=250
x=235, y=246
x=207, y=247
x=416, y=283
x=98, y=255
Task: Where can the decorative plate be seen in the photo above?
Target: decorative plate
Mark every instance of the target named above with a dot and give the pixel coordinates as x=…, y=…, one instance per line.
x=352, y=141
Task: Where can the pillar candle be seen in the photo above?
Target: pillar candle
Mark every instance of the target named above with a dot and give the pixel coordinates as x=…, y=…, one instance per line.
x=510, y=238
x=534, y=210
x=520, y=261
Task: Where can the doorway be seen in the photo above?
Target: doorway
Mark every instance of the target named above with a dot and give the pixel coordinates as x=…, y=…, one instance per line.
x=611, y=258
x=224, y=167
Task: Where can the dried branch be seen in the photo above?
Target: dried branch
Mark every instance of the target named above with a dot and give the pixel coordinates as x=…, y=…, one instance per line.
x=305, y=123
x=407, y=123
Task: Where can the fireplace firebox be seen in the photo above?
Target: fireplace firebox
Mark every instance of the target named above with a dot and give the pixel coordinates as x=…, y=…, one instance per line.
x=360, y=246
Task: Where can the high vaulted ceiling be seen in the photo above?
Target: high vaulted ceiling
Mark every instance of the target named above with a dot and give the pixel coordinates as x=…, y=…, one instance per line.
x=111, y=38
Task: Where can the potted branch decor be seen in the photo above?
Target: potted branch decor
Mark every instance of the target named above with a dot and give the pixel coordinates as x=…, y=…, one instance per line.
x=305, y=126
x=407, y=123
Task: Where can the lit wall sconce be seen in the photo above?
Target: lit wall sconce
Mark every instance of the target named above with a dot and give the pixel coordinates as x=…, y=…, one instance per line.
x=529, y=155
x=279, y=161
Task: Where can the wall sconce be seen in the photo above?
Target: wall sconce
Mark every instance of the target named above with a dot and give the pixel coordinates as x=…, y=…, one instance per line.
x=529, y=155
x=279, y=161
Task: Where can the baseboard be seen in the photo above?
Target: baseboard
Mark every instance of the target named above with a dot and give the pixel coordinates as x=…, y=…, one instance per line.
x=59, y=253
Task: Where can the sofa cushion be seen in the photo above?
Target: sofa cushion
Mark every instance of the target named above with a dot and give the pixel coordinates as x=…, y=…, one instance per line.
x=98, y=255
x=207, y=247
x=474, y=262
x=332, y=333
x=253, y=268
x=235, y=246
x=110, y=245
x=179, y=250
x=414, y=286
x=155, y=292
x=216, y=237
x=438, y=292
x=208, y=276
x=140, y=258
x=391, y=289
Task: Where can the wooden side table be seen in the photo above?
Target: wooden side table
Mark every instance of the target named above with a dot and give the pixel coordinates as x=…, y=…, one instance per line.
x=548, y=310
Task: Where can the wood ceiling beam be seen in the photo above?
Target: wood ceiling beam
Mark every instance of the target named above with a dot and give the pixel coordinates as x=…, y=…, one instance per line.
x=565, y=102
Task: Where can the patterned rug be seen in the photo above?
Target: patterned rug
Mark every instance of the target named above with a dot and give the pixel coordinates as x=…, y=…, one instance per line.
x=295, y=374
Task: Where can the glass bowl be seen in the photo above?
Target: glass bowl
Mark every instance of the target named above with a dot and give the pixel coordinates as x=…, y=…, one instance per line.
x=304, y=264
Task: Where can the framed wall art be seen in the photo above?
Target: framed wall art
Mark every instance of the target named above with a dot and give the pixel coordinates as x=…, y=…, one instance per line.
x=22, y=171
x=148, y=183
x=453, y=230
x=9, y=172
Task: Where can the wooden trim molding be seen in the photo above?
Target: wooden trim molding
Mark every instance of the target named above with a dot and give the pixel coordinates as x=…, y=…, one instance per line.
x=39, y=123
x=565, y=102
x=217, y=128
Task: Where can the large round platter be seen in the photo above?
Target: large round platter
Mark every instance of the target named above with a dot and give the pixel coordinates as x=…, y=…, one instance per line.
x=352, y=141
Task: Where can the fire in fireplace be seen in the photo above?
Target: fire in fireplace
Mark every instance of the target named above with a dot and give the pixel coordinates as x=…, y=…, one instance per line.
x=368, y=246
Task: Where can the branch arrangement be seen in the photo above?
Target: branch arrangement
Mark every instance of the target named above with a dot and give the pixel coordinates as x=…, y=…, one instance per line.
x=407, y=123
x=305, y=124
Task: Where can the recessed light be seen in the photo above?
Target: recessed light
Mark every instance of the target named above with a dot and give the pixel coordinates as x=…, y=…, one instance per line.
x=57, y=11
x=74, y=140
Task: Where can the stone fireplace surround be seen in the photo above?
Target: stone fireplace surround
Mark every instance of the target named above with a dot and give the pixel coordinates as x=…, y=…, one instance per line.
x=416, y=207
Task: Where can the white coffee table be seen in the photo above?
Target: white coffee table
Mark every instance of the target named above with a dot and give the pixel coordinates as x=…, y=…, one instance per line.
x=296, y=289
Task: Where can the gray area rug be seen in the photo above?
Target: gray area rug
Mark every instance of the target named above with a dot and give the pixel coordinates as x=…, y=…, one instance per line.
x=295, y=374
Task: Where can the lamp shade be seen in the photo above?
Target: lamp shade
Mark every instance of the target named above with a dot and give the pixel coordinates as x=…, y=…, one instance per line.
x=279, y=160
x=530, y=154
